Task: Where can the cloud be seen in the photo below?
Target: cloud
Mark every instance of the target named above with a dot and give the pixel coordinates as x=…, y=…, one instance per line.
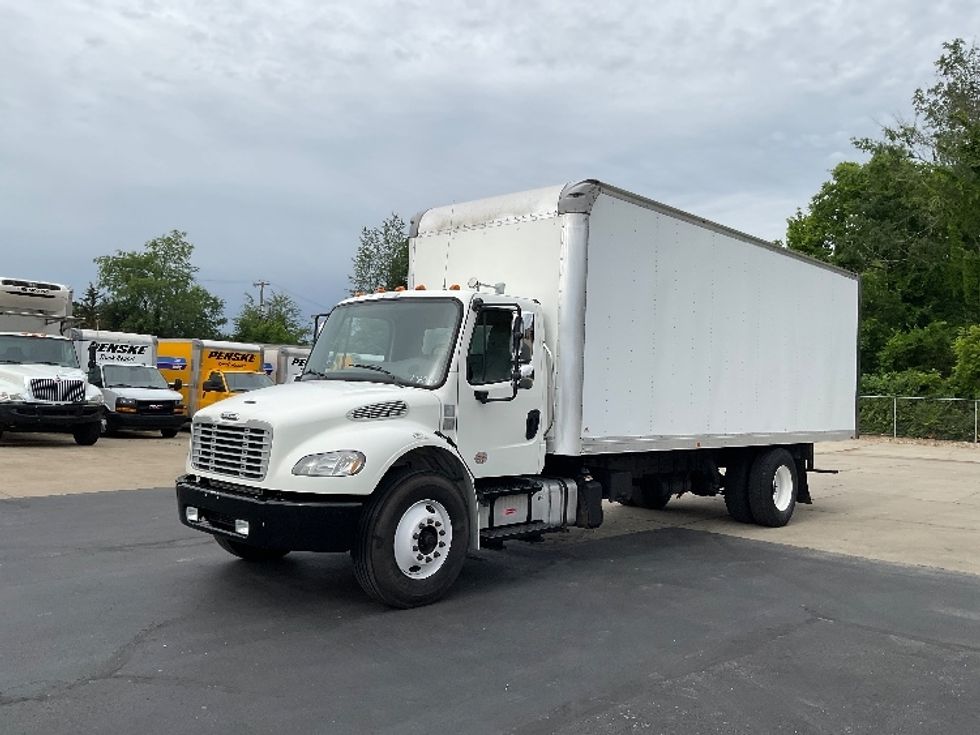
x=272, y=132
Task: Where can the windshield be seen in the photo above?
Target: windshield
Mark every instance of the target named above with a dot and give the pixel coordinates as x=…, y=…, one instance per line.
x=132, y=376
x=404, y=341
x=25, y=350
x=241, y=382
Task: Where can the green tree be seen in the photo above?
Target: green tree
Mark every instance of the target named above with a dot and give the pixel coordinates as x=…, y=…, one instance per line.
x=153, y=291
x=381, y=259
x=908, y=220
x=966, y=373
x=279, y=321
x=87, y=310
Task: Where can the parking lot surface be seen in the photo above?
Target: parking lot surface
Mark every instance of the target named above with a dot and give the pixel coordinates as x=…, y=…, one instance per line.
x=118, y=619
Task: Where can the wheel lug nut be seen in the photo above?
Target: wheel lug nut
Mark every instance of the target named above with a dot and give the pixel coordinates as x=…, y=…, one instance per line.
x=415, y=536
x=419, y=557
x=430, y=521
x=442, y=544
x=415, y=548
x=428, y=559
x=438, y=523
x=436, y=553
x=442, y=533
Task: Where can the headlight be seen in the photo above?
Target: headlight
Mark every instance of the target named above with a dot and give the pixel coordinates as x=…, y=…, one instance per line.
x=5, y=396
x=126, y=402
x=98, y=399
x=330, y=464
x=180, y=408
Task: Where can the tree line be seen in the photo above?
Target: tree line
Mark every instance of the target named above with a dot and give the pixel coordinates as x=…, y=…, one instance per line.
x=154, y=290
x=907, y=219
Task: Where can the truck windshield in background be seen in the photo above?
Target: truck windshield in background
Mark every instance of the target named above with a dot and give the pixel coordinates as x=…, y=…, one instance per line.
x=16, y=349
x=403, y=341
x=243, y=382
x=132, y=376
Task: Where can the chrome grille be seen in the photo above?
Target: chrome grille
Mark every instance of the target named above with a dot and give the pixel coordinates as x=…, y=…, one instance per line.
x=63, y=391
x=385, y=410
x=229, y=449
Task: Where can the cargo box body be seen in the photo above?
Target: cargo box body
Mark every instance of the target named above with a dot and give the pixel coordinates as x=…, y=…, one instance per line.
x=667, y=331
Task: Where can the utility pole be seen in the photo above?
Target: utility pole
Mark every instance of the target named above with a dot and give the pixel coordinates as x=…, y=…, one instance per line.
x=261, y=286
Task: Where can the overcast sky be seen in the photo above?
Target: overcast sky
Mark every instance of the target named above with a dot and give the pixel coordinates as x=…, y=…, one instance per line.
x=273, y=131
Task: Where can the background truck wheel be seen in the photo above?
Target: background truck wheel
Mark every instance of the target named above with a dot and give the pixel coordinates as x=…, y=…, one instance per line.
x=411, y=541
x=168, y=433
x=737, y=491
x=773, y=483
x=87, y=434
x=249, y=553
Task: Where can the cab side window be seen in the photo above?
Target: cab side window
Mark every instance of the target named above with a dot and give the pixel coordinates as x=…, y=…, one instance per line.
x=490, y=359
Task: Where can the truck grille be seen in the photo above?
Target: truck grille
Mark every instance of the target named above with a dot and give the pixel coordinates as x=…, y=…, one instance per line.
x=63, y=391
x=227, y=449
x=154, y=408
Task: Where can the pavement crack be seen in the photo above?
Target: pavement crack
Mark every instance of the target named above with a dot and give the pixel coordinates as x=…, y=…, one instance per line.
x=945, y=645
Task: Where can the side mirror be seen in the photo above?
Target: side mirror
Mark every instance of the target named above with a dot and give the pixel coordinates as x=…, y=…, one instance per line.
x=95, y=377
x=178, y=384
x=525, y=380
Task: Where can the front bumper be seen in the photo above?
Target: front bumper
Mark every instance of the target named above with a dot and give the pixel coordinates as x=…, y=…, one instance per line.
x=48, y=416
x=145, y=421
x=276, y=520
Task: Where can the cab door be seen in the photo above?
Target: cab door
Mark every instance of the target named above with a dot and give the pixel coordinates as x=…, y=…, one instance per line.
x=500, y=432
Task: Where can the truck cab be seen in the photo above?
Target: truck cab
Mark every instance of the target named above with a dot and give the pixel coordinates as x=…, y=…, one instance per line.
x=42, y=386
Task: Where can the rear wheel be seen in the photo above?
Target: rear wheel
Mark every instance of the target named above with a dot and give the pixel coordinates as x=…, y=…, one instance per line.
x=87, y=434
x=411, y=541
x=249, y=553
x=168, y=433
x=773, y=484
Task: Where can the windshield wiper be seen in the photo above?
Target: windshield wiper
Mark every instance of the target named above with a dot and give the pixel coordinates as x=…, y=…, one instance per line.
x=378, y=368
x=314, y=373
x=51, y=362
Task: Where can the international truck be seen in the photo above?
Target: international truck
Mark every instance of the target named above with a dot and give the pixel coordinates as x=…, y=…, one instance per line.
x=285, y=363
x=210, y=370
x=124, y=366
x=553, y=349
x=42, y=386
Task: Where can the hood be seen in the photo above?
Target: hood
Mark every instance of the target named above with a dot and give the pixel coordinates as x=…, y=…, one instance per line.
x=312, y=401
x=144, y=394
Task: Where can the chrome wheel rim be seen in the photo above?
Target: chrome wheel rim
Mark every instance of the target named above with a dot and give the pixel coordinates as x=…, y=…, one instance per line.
x=422, y=539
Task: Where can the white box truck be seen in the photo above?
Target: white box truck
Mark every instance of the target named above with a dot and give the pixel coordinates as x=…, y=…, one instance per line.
x=124, y=366
x=42, y=386
x=554, y=348
x=284, y=363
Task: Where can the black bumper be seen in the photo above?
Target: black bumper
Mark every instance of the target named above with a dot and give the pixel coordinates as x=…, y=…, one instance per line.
x=145, y=421
x=275, y=521
x=48, y=416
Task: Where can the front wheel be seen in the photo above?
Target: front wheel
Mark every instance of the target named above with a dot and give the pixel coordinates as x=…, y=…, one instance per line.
x=87, y=434
x=168, y=433
x=249, y=553
x=773, y=484
x=411, y=541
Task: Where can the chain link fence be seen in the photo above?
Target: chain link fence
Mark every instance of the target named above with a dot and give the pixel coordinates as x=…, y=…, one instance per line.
x=953, y=419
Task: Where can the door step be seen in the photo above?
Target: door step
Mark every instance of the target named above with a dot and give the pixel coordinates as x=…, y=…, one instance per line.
x=493, y=537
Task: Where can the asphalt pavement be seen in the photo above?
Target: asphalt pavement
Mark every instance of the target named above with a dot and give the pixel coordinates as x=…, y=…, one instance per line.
x=117, y=619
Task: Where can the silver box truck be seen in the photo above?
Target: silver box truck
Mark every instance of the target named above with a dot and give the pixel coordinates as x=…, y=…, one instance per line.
x=553, y=349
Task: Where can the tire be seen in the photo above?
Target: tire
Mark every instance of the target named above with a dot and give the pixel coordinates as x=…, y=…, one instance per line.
x=387, y=545
x=737, y=491
x=168, y=433
x=249, y=553
x=87, y=434
x=773, y=484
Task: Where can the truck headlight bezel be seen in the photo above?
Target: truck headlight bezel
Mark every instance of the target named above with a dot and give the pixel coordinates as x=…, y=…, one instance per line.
x=98, y=399
x=340, y=463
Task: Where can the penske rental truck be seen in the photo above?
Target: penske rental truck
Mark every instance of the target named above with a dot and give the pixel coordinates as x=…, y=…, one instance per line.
x=42, y=386
x=210, y=370
x=553, y=349
x=285, y=363
x=124, y=366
